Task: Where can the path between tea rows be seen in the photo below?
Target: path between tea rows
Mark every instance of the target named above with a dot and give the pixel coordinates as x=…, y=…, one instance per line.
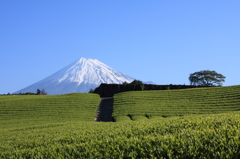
x=105, y=110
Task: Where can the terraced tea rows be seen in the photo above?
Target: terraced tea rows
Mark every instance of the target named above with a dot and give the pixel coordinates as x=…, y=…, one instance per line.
x=198, y=136
x=62, y=126
x=167, y=103
x=20, y=110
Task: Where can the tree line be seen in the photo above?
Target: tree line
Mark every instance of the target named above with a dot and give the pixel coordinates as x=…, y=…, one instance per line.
x=201, y=78
x=39, y=92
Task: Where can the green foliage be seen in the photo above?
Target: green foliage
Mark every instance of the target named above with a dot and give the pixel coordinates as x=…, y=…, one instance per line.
x=167, y=88
x=122, y=118
x=38, y=92
x=18, y=110
x=177, y=102
x=206, y=78
x=136, y=82
x=205, y=136
x=41, y=92
x=147, y=125
x=91, y=91
x=29, y=93
x=125, y=83
x=138, y=118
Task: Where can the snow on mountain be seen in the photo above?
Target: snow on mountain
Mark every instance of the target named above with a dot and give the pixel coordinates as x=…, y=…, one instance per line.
x=80, y=76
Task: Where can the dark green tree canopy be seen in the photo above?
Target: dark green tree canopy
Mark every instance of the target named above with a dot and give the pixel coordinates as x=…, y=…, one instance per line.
x=206, y=78
x=38, y=92
x=136, y=82
x=125, y=83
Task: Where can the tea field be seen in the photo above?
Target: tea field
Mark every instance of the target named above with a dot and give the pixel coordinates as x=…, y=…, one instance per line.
x=198, y=136
x=24, y=110
x=166, y=103
x=189, y=123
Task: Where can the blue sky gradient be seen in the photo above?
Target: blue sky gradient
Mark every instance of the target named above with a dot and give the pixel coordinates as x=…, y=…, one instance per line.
x=159, y=41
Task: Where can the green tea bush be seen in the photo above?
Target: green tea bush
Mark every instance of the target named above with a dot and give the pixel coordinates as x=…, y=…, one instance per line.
x=122, y=118
x=168, y=103
x=17, y=110
x=196, y=136
x=137, y=118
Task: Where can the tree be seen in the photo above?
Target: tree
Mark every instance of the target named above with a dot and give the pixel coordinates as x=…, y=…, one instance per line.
x=136, y=82
x=38, y=92
x=43, y=92
x=91, y=91
x=30, y=93
x=206, y=78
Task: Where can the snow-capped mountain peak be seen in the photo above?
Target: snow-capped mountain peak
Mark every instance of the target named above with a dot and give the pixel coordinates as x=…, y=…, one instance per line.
x=80, y=76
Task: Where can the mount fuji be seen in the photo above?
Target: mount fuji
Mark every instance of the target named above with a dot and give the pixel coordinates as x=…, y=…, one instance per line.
x=80, y=76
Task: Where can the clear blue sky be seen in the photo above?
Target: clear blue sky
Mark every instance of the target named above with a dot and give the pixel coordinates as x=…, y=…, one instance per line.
x=150, y=40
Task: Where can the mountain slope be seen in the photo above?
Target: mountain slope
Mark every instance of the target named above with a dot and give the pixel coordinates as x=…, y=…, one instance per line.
x=80, y=76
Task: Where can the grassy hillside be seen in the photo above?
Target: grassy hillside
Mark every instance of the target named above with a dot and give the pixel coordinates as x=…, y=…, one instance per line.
x=198, y=136
x=167, y=103
x=62, y=126
x=17, y=110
